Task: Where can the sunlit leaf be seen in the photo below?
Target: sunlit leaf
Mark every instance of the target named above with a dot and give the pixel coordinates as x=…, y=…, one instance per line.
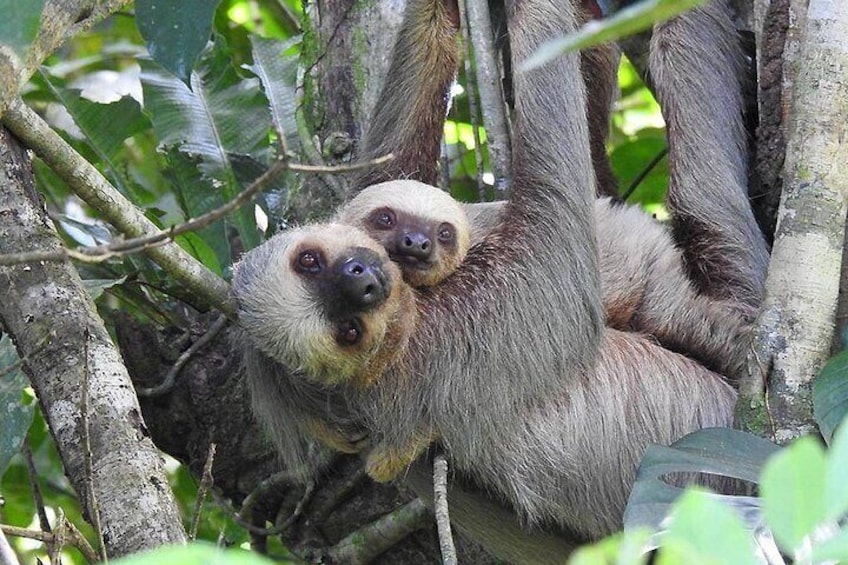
x=176, y=32
x=221, y=116
x=278, y=74
x=793, y=491
x=703, y=530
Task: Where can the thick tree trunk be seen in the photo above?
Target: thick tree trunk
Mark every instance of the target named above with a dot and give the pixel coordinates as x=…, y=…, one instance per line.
x=78, y=376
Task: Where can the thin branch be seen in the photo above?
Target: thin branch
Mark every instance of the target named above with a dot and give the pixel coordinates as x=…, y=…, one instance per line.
x=171, y=378
x=440, y=502
x=206, y=483
x=491, y=95
x=37, y=498
x=644, y=173
x=471, y=91
x=363, y=545
x=71, y=534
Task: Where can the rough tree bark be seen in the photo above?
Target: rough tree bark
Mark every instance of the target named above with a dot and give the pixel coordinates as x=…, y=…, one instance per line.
x=77, y=373
x=797, y=319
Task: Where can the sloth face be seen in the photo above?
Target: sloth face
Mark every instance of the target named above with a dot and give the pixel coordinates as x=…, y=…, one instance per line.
x=421, y=227
x=320, y=299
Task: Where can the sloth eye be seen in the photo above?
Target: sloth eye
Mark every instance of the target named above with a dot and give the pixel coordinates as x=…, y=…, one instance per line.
x=446, y=233
x=309, y=262
x=385, y=219
x=350, y=332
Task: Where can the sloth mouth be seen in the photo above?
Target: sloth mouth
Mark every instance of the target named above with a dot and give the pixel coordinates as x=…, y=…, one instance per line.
x=410, y=261
x=349, y=332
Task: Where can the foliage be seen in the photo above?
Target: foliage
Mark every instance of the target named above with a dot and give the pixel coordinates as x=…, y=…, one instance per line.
x=803, y=504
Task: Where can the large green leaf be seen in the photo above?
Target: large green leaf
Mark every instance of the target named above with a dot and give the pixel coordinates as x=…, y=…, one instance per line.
x=703, y=530
x=15, y=414
x=222, y=115
x=19, y=24
x=717, y=451
x=278, y=74
x=830, y=394
x=106, y=127
x=836, y=485
x=793, y=491
x=175, y=32
x=630, y=20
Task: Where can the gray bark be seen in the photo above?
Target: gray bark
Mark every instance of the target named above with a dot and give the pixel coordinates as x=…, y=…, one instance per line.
x=55, y=325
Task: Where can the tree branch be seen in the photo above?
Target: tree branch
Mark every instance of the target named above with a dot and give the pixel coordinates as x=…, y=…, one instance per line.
x=127, y=475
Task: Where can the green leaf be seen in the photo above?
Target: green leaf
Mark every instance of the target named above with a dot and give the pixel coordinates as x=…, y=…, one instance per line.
x=718, y=451
x=19, y=24
x=631, y=159
x=96, y=287
x=222, y=115
x=278, y=75
x=105, y=127
x=619, y=549
x=834, y=550
x=703, y=530
x=830, y=394
x=793, y=490
x=194, y=554
x=836, y=485
x=15, y=415
x=628, y=21
x=175, y=32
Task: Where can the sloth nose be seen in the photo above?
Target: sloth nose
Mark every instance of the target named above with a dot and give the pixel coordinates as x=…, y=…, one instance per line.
x=362, y=282
x=415, y=244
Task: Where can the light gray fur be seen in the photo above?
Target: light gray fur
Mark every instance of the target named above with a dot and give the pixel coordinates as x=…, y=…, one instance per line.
x=645, y=288
x=535, y=400
x=696, y=68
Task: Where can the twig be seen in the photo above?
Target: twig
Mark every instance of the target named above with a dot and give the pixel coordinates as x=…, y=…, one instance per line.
x=94, y=510
x=440, y=502
x=76, y=538
x=206, y=483
x=32, y=473
x=298, y=509
x=363, y=545
x=644, y=173
x=171, y=378
x=491, y=95
x=471, y=91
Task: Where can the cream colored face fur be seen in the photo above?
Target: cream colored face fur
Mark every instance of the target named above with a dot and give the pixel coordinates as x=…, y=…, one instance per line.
x=301, y=336
x=425, y=203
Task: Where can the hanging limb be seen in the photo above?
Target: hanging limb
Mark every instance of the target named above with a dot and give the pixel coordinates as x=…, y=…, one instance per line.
x=491, y=95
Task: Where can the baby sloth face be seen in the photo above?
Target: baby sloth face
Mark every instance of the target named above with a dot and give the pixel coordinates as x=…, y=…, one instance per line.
x=422, y=228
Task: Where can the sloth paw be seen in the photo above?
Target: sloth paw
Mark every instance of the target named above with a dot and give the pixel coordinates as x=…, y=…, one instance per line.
x=384, y=465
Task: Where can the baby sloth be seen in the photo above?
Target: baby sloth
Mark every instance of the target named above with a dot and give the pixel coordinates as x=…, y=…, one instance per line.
x=422, y=228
